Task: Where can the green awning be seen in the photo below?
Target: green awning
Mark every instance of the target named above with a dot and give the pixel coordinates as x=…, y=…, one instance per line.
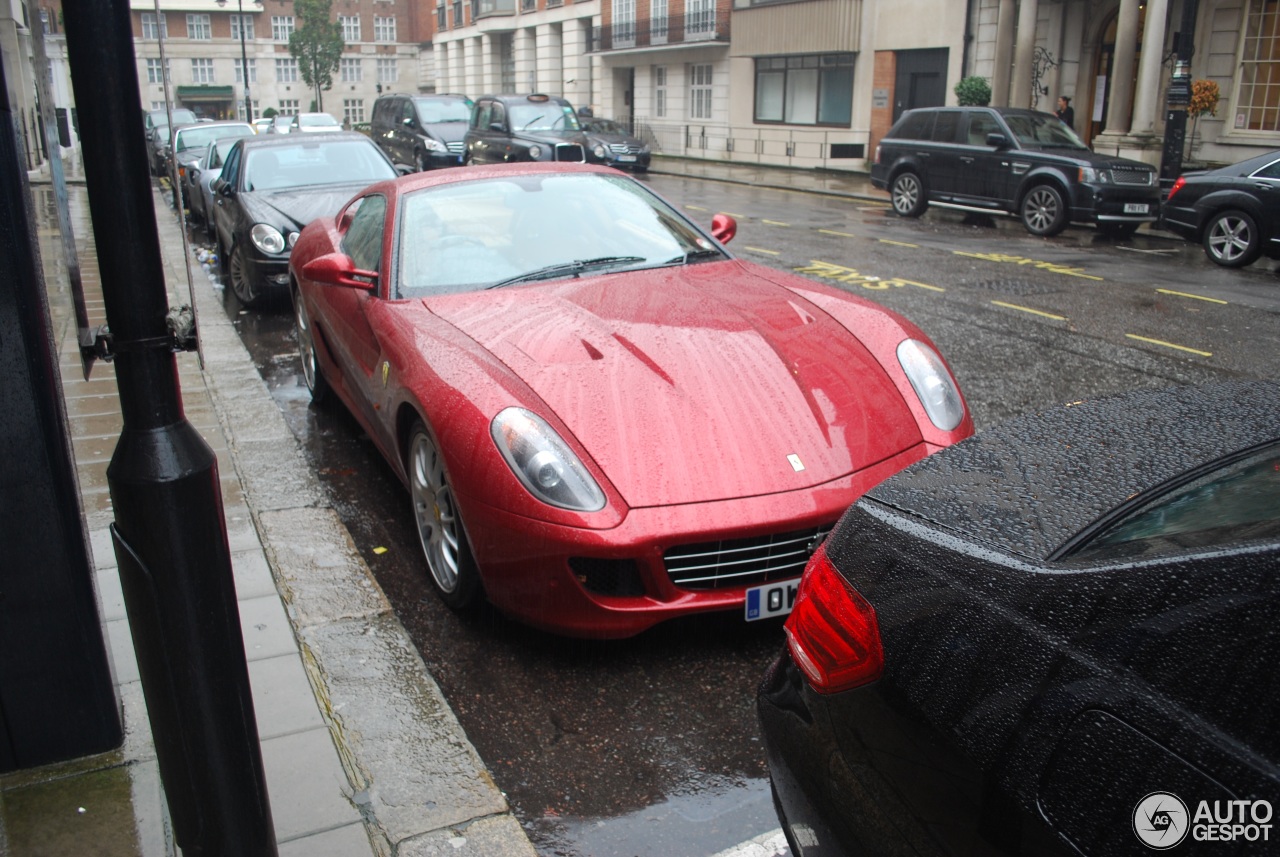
x=205, y=93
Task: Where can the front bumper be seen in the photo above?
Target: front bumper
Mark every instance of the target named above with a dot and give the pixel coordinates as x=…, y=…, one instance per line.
x=269, y=273
x=1099, y=203
x=532, y=569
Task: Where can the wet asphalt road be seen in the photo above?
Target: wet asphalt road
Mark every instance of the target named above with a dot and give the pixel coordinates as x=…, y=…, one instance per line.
x=649, y=746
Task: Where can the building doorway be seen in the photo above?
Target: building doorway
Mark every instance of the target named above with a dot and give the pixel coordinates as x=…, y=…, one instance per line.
x=921, y=80
x=1104, y=69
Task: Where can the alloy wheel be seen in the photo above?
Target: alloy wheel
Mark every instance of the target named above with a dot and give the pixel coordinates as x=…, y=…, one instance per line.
x=435, y=515
x=1230, y=239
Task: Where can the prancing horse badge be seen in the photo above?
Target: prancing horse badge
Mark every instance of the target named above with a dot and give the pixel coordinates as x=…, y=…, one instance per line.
x=796, y=464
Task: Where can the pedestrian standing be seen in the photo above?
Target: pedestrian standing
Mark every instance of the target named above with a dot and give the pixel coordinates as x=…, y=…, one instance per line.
x=1066, y=112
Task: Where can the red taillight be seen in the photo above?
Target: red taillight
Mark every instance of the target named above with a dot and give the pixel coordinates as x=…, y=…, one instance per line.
x=1177, y=186
x=832, y=631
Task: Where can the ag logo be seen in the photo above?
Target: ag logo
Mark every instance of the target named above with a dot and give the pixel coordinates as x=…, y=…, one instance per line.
x=1160, y=820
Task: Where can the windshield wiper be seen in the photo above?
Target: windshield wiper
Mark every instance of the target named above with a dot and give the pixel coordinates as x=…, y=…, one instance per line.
x=692, y=255
x=537, y=118
x=575, y=268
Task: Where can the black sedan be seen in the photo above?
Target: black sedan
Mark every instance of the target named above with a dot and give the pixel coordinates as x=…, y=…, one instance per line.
x=611, y=144
x=1057, y=637
x=1233, y=211
x=273, y=185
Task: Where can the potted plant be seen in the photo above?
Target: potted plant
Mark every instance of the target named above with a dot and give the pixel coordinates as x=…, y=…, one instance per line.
x=1204, y=100
x=973, y=91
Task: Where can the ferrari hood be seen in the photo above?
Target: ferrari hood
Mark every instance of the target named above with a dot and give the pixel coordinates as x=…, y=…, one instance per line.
x=696, y=383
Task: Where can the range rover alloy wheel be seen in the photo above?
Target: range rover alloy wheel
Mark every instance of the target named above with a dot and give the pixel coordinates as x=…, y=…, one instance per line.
x=908, y=194
x=1044, y=211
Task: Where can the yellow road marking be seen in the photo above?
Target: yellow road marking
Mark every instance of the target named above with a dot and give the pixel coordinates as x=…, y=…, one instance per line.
x=1030, y=310
x=897, y=243
x=695, y=208
x=1186, y=295
x=921, y=285
x=731, y=214
x=840, y=234
x=774, y=223
x=1169, y=345
x=762, y=250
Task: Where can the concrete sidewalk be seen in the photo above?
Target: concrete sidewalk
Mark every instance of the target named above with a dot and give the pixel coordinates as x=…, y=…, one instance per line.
x=362, y=754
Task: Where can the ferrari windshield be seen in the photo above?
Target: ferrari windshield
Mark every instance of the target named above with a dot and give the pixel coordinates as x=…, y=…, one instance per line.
x=472, y=235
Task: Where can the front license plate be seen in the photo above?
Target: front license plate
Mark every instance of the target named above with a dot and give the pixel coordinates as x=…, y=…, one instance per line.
x=1136, y=208
x=627, y=159
x=772, y=599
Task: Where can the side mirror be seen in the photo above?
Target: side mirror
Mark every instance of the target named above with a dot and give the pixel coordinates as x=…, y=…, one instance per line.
x=497, y=127
x=338, y=269
x=221, y=187
x=407, y=121
x=998, y=140
x=723, y=228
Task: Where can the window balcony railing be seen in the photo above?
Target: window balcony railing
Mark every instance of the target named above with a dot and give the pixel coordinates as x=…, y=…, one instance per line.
x=701, y=25
x=491, y=8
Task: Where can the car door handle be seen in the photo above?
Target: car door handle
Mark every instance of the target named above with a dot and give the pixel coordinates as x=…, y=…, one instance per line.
x=966, y=160
x=1262, y=186
x=922, y=154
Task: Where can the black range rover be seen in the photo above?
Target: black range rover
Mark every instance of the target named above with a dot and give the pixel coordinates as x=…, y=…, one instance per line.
x=513, y=128
x=1011, y=161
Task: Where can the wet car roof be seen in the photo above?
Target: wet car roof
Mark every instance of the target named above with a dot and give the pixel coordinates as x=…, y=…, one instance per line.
x=1030, y=484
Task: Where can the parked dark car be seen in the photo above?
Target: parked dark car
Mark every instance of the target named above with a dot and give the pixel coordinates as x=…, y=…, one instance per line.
x=1008, y=646
x=1009, y=161
x=190, y=143
x=422, y=131
x=204, y=173
x=1233, y=211
x=512, y=128
x=271, y=186
x=610, y=143
x=181, y=116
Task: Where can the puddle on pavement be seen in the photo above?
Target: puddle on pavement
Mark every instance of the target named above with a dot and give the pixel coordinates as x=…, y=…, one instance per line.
x=718, y=817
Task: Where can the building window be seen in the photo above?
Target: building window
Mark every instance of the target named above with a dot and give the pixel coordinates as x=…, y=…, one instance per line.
x=240, y=111
x=700, y=19
x=198, y=27
x=805, y=90
x=350, y=27
x=351, y=70
x=281, y=28
x=286, y=70
x=253, y=71
x=660, y=91
x=202, y=71
x=458, y=20
x=153, y=71
x=1258, y=94
x=388, y=71
x=238, y=21
x=289, y=106
x=384, y=29
x=352, y=110
x=699, y=92
x=442, y=16
x=150, y=30
x=624, y=23
x=659, y=26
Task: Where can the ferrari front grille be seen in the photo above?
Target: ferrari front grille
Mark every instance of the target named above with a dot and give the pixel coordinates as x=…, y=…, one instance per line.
x=742, y=562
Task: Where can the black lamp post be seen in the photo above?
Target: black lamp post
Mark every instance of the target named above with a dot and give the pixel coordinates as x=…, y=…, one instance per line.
x=244, y=60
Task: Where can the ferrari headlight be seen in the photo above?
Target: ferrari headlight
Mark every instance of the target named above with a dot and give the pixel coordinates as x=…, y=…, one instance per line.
x=932, y=382
x=267, y=238
x=535, y=152
x=543, y=462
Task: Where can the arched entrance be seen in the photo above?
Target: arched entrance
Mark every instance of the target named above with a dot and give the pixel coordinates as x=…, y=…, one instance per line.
x=1103, y=69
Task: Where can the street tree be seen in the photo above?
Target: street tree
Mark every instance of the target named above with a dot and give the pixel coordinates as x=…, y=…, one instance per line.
x=316, y=43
